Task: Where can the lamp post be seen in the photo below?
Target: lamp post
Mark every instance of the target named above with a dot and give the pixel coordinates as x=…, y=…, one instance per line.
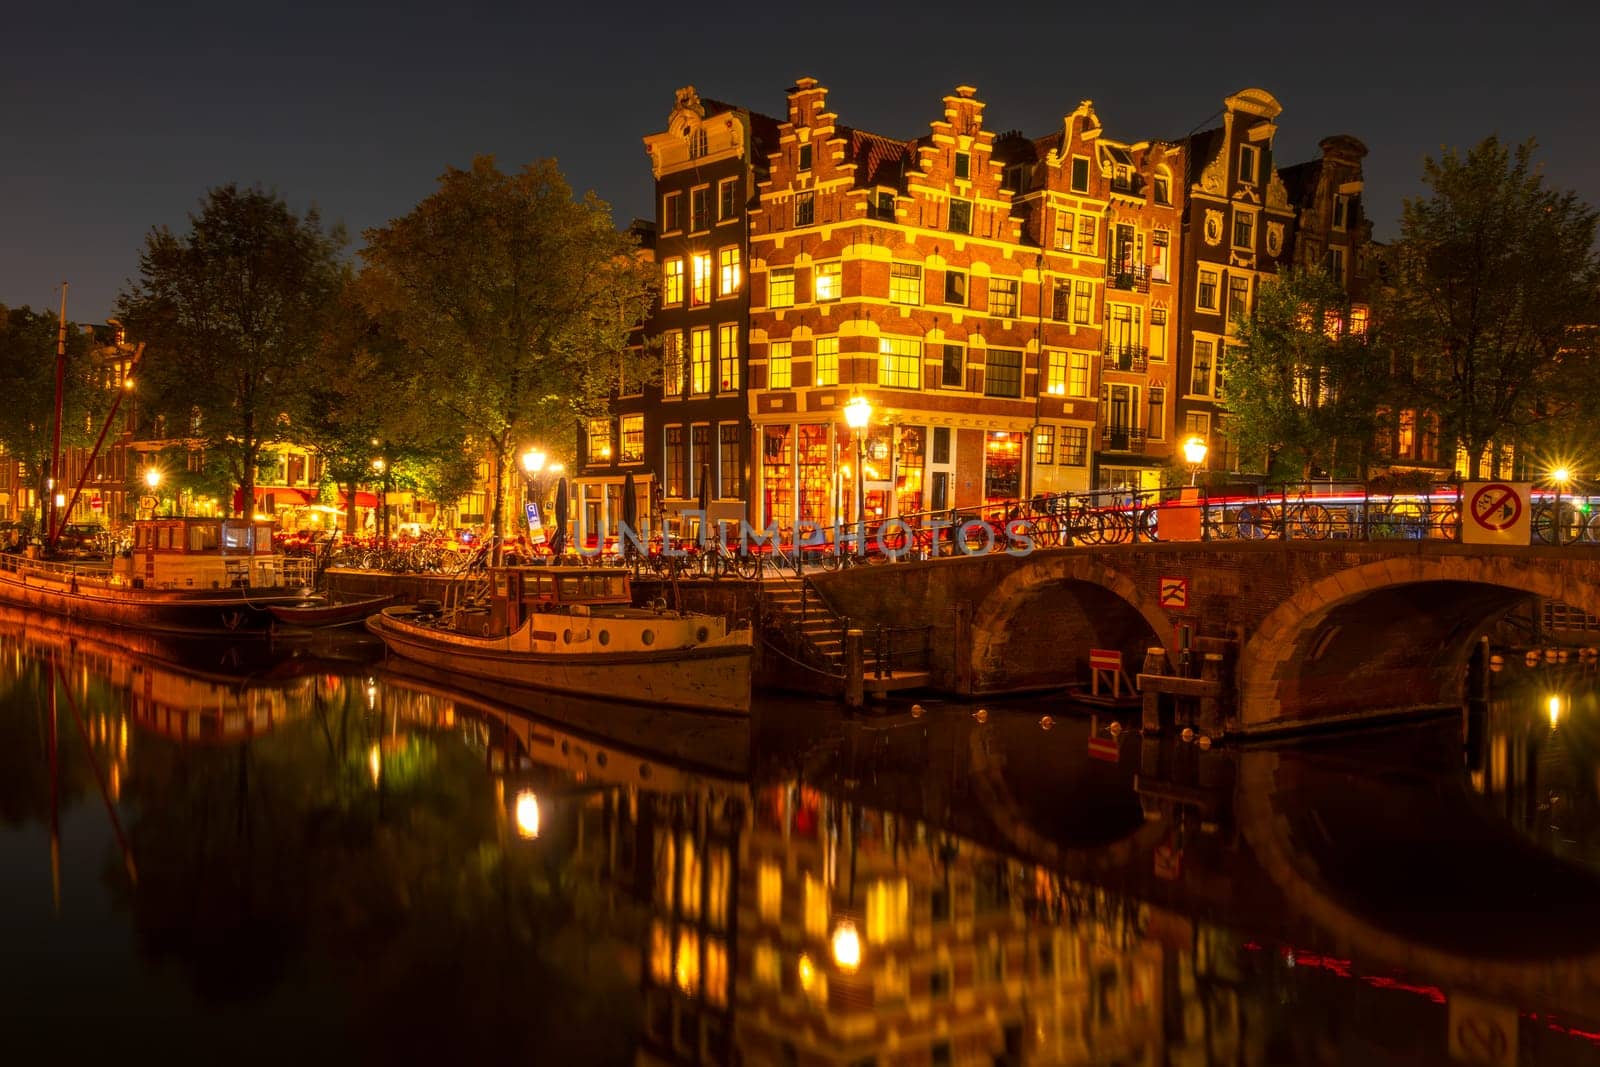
x=1560, y=476
x=857, y=413
x=533, y=465
x=1194, y=453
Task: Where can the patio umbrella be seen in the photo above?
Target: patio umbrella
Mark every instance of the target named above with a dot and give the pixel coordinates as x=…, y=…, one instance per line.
x=630, y=503
x=558, y=542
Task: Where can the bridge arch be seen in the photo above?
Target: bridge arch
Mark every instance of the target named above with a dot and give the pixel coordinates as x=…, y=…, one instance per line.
x=1022, y=637
x=1391, y=633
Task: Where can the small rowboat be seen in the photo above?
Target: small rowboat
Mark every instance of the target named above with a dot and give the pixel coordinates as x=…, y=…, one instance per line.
x=318, y=613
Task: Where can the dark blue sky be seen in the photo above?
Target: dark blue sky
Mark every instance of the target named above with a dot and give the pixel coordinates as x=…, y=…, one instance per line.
x=116, y=117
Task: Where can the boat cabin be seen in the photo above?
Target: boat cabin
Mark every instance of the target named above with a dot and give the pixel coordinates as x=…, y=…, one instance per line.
x=204, y=554
x=518, y=592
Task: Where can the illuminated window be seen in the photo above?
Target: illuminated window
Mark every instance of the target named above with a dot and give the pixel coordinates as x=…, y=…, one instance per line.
x=961, y=216
x=1078, y=374
x=1160, y=242
x=1082, y=303
x=805, y=209
x=686, y=968
x=672, y=212
x=661, y=953
x=700, y=361
x=672, y=363
x=727, y=199
x=700, y=278
x=1204, y=357
x=1358, y=322
x=953, y=375
x=1055, y=373
x=1244, y=229
x=632, y=438
x=1003, y=297
x=1086, y=233
x=672, y=281
x=769, y=891
x=827, y=280
x=905, y=283
x=827, y=353
x=780, y=370
x=1044, y=445
x=816, y=908
x=1002, y=375
x=688, y=877
x=764, y=968
x=700, y=208
x=1158, y=334
x=1066, y=225
x=1205, y=297
x=716, y=983
x=780, y=287
x=888, y=910
x=728, y=271
x=900, y=362
x=599, y=439
x=1074, y=446
x=728, y=357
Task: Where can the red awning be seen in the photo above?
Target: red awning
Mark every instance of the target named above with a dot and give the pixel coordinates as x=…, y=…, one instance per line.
x=363, y=500
x=276, y=496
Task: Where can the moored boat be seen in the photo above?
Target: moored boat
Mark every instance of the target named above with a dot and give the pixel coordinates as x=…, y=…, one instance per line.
x=184, y=574
x=574, y=630
x=320, y=613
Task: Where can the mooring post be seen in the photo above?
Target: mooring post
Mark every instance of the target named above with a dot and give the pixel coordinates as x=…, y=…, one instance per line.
x=855, y=682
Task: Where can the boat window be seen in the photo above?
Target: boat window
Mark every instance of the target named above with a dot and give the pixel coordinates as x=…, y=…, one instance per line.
x=235, y=536
x=203, y=538
x=264, y=537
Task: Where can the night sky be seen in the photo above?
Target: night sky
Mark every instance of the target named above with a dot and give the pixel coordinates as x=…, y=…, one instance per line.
x=117, y=117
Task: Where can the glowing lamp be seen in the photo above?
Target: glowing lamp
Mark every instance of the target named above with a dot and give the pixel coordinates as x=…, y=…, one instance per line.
x=846, y=947
x=1561, y=476
x=858, y=412
x=527, y=814
x=1194, y=451
x=533, y=461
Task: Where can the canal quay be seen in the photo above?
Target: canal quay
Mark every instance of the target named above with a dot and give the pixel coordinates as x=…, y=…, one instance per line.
x=303, y=849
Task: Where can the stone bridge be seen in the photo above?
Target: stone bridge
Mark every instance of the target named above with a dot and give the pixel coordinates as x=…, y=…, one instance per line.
x=1312, y=630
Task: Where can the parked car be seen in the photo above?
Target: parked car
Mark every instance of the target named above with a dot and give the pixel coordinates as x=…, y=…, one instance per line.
x=81, y=539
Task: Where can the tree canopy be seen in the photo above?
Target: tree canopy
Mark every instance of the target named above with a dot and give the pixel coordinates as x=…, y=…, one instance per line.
x=515, y=301
x=232, y=311
x=1300, y=380
x=27, y=382
x=1495, y=288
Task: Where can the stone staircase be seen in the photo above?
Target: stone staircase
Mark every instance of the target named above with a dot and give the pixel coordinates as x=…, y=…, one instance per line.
x=803, y=613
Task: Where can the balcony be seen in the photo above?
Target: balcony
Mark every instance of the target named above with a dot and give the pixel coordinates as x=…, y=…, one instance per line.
x=1124, y=357
x=1121, y=438
x=1134, y=278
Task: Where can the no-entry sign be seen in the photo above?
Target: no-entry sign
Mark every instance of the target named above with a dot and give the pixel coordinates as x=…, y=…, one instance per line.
x=1495, y=513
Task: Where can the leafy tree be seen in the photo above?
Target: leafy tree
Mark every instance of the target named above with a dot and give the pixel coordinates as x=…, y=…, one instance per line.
x=232, y=312
x=515, y=300
x=28, y=384
x=1299, y=381
x=1495, y=272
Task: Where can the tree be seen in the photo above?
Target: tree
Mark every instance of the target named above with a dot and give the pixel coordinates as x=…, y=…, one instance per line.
x=515, y=300
x=1300, y=382
x=27, y=382
x=1495, y=275
x=232, y=313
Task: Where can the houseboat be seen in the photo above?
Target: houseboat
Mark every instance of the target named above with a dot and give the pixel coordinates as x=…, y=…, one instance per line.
x=185, y=574
x=574, y=630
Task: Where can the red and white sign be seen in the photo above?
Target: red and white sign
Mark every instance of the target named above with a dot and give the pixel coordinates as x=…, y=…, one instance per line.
x=1174, y=592
x=1105, y=659
x=95, y=503
x=1496, y=513
x=1103, y=748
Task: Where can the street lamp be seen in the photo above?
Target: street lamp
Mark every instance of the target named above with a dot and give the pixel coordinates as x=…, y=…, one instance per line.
x=1194, y=453
x=533, y=461
x=857, y=413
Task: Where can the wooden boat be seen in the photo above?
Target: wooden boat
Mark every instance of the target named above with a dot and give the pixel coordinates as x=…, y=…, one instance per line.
x=573, y=630
x=319, y=612
x=186, y=574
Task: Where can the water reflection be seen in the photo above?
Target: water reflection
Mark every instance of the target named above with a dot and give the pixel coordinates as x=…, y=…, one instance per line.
x=314, y=848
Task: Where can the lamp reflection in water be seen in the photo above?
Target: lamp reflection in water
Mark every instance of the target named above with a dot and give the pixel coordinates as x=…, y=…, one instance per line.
x=808, y=973
x=1554, y=707
x=846, y=947
x=527, y=814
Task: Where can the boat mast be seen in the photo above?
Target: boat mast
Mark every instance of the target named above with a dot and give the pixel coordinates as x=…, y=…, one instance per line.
x=55, y=433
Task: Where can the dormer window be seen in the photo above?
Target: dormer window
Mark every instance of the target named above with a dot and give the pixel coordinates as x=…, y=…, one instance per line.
x=697, y=141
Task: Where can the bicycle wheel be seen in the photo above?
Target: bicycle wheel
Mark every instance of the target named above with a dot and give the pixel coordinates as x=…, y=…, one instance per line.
x=1254, y=522
x=1045, y=531
x=1112, y=528
x=1446, y=520
x=1308, y=522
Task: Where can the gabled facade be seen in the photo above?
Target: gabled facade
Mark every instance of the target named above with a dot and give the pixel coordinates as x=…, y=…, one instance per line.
x=688, y=439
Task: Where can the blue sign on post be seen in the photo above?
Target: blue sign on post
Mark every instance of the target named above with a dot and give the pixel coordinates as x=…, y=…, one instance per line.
x=535, y=527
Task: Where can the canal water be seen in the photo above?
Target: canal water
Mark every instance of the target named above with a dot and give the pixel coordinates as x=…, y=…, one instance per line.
x=215, y=853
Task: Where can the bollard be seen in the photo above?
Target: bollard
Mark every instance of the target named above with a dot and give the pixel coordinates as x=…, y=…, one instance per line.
x=855, y=682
